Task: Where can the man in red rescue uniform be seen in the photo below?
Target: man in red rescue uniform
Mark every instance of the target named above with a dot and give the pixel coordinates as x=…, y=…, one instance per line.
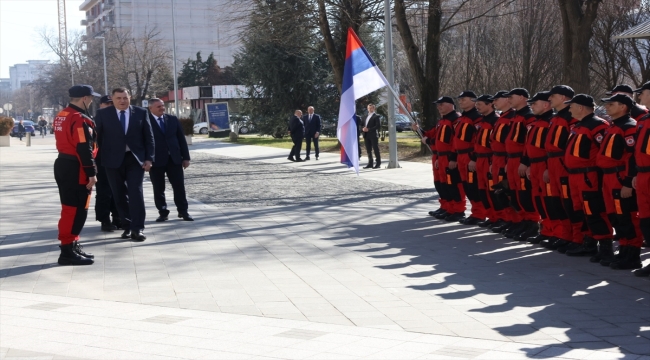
x=75, y=172
x=534, y=160
x=499, y=158
x=637, y=112
x=429, y=139
x=585, y=178
x=641, y=182
x=617, y=163
x=520, y=186
x=566, y=223
x=464, y=139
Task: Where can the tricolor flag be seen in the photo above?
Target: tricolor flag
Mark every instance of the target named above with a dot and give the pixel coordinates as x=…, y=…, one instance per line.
x=361, y=76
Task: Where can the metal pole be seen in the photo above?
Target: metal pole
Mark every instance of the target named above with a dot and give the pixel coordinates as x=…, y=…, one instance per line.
x=174, y=59
x=105, y=74
x=388, y=49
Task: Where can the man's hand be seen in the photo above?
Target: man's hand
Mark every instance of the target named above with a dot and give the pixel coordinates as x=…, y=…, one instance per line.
x=186, y=164
x=315, y=136
x=424, y=140
x=147, y=165
x=522, y=170
x=545, y=177
x=452, y=165
x=471, y=166
x=634, y=182
x=435, y=165
x=415, y=127
x=626, y=192
x=365, y=129
x=91, y=182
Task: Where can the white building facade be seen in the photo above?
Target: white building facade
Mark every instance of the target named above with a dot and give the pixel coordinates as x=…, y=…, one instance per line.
x=200, y=24
x=23, y=74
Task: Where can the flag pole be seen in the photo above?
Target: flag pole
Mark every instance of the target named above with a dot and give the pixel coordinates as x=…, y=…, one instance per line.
x=401, y=105
x=388, y=50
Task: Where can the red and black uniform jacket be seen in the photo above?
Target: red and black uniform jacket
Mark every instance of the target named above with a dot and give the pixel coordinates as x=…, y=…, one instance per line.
x=484, y=133
x=642, y=146
x=617, y=149
x=584, y=144
x=535, y=150
x=466, y=132
x=500, y=133
x=75, y=136
x=521, y=123
x=445, y=135
x=558, y=133
x=637, y=112
x=431, y=138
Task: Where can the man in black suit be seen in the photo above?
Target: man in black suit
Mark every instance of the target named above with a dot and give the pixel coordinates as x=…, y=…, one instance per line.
x=125, y=137
x=312, y=130
x=172, y=156
x=105, y=206
x=370, y=137
x=297, y=131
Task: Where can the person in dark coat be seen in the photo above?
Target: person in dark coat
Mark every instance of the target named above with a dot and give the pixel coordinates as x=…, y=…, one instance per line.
x=297, y=131
x=105, y=206
x=312, y=131
x=21, y=130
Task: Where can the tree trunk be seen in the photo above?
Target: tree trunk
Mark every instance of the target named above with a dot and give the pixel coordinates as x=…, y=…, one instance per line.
x=577, y=22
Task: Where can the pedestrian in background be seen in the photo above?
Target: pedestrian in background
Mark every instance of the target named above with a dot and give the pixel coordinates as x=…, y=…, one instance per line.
x=42, y=123
x=297, y=132
x=312, y=131
x=21, y=130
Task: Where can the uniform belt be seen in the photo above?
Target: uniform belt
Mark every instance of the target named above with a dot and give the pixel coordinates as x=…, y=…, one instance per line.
x=465, y=151
x=445, y=153
x=555, y=154
x=537, y=159
x=515, y=155
x=434, y=152
x=500, y=153
x=483, y=155
x=613, y=170
x=68, y=157
x=582, y=170
x=643, y=169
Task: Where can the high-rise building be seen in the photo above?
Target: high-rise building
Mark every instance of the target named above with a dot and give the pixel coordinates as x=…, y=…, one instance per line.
x=199, y=24
x=23, y=74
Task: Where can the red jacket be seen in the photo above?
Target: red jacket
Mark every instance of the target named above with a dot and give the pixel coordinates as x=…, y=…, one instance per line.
x=535, y=150
x=465, y=133
x=445, y=135
x=558, y=133
x=642, y=145
x=431, y=138
x=500, y=133
x=521, y=123
x=617, y=149
x=637, y=112
x=485, y=126
x=75, y=136
x=584, y=143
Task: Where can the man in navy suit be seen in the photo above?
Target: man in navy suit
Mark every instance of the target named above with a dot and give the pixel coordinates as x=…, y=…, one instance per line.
x=125, y=137
x=172, y=156
x=297, y=131
x=312, y=130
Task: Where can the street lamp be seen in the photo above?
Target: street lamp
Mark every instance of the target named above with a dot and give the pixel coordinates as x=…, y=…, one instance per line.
x=101, y=36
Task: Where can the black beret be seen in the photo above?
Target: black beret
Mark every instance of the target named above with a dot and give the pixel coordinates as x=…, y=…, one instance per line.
x=485, y=98
x=563, y=90
x=468, y=93
x=78, y=91
x=500, y=94
x=542, y=95
x=518, y=91
x=621, y=98
x=582, y=99
x=624, y=88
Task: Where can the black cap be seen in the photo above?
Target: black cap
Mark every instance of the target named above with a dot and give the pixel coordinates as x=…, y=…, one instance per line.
x=582, y=99
x=444, y=99
x=485, y=98
x=500, y=94
x=518, y=91
x=645, y=86
x=78, y=91
x=467, y=93
x=106, y=99
x=624, y=88
x=562, y=90
x=542, y=95
x=621, y=98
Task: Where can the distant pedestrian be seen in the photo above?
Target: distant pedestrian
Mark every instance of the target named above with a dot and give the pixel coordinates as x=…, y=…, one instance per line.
x=42, y=123
x=370, y=137
x=21, y=130
x=312, y=131
x=297, y=132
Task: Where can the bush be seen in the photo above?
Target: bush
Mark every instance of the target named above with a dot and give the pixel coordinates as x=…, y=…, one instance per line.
x=188, y=126
x=6, y=124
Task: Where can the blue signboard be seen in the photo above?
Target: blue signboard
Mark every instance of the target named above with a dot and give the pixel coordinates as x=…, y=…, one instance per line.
x=217, y=115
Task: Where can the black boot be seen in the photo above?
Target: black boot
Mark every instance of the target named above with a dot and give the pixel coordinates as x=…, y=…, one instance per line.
x=79, y=250
x=436, y=212
x=568, y=246
x=643, y=272
x=442, y=215
x=499, y=226
x=531, y=230
x=588, y=247
x=537, y=239
x=485, y=223
x=605, y=253
x=455, y=217
x=70, y=257
x=516, y=229
x=632, y=259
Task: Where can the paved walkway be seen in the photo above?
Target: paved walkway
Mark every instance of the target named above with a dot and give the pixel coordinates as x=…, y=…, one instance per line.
x=298, y=281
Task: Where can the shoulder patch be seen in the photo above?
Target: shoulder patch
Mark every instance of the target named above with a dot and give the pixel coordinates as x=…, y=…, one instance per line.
x=599, y=138
x=629, y=140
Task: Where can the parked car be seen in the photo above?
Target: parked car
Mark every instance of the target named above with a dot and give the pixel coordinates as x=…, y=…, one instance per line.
x=245, y=127
x=201, y=128
x=29, y=128
x=402, y=123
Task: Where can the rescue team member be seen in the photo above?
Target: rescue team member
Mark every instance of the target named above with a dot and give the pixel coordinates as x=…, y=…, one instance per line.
x=556, y=176
x=534, y=160
x=642, y=180
x=637, y=112
x=520, y=186
x=499, y=159
x=616, y=161
x=105, y=206
x=446, y=164
x=429, y=138
x=585, y=178
x=465, y=135
x=494, y=207
x=74, y=172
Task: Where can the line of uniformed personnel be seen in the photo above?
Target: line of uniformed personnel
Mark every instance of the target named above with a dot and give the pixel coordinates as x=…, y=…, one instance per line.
x=547, y=170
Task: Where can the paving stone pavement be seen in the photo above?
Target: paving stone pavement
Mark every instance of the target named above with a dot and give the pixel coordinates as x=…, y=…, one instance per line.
x=269, y=271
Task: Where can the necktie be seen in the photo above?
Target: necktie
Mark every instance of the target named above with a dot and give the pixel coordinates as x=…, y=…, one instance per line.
x=123, y=120
x=162, y=124
x=310, y=118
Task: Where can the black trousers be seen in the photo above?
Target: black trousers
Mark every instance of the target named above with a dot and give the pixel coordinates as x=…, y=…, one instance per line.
x=105, y=206
x=75, y=198
x=126, y=185
x=372, y=144
x=309, y=139
x=297, y=146
x=177, y=179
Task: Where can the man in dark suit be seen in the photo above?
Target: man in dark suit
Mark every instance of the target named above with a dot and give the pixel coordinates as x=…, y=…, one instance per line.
x=312, y=130
x=370, y=138
x=172, y=156
x=105, y=206
x=297, y=131
x=125, y=137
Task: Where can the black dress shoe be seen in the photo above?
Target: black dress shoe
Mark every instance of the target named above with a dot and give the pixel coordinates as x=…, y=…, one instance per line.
x=378, y=166
x=139, y=236
x=291, y=159
x=316, y=157
x=186, y=217
x=162, y=218
x=307, y=158
x=126, y=234
x=368, y=167
x=108, y=227
x=299, y=160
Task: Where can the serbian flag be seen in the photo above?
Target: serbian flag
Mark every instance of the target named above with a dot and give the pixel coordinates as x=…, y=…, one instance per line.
x=361, y=76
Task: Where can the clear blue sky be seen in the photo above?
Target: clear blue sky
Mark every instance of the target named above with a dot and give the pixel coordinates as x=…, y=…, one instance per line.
x=20, y=23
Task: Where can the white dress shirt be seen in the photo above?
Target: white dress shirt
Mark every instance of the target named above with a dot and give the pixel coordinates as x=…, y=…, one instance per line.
x=127, y=115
